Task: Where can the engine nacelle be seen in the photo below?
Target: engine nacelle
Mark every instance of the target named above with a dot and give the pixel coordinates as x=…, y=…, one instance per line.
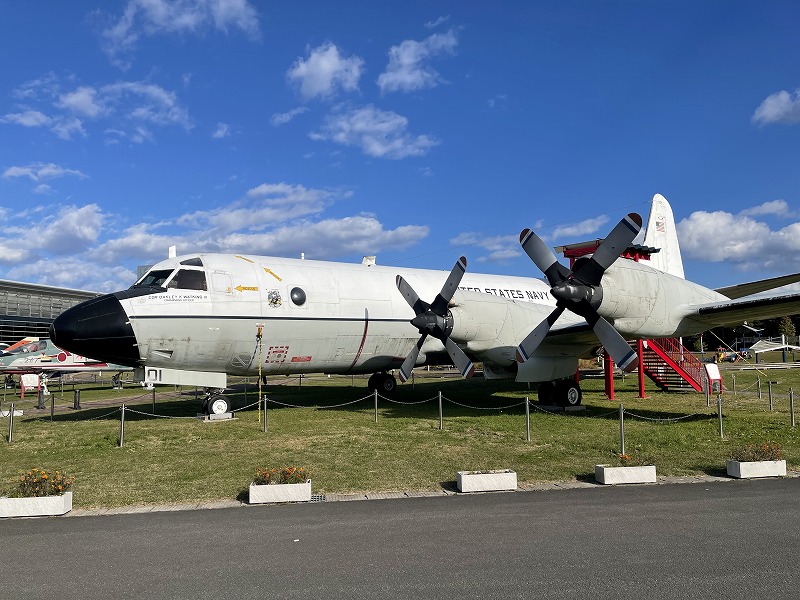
x=491, y=326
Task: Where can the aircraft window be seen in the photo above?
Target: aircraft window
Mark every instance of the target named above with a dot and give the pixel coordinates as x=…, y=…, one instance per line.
x=39, y=346
x=154, y=278
x=189, y=280
x=298, y=296
x=192, y=262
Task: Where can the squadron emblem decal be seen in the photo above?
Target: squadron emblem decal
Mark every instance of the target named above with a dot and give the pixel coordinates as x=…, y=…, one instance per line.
x=274, y=298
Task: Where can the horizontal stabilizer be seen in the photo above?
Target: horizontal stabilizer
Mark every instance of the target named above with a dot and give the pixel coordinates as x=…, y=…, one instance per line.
x=750, y=309
x=754, y=287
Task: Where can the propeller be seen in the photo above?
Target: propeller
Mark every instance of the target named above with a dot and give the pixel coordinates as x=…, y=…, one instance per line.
x=435, y=319
x=579, y=290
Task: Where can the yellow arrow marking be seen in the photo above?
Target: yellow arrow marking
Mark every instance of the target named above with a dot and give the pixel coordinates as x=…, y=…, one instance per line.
x=273, y=274
x=242, y=288
x=243, y=258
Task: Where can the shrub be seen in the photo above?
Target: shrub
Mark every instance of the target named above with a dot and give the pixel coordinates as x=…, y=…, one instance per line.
x=282, y=475
x=756, y=452
x=38, y=482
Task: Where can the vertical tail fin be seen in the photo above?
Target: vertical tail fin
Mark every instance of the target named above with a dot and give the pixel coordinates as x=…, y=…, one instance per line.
x=661, y=233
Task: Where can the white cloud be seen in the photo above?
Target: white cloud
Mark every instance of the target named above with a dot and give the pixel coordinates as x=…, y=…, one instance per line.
x=740, y=240
x=436, y=22
x=283, y=118
x=781, y=107
x=41, y=171
x=68, y=127
x=142, y=18
x=773, y=207
x=72, y=230
x=576, y=230
x=223, y=130
x=407, y=69
x=81, y=101
x=325, y=72
x=47, y=232
x=72, y=272
x=128, y=104
x=379, y=133
x=500, y=248
x=362, y=234
x=265, y=206
x=28, y=118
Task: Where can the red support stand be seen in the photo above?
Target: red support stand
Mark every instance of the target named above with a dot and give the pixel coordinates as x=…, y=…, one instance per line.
x=608, y=373
x=640, y=352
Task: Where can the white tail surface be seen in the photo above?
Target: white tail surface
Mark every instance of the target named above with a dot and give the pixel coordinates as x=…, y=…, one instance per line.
x=661, y=233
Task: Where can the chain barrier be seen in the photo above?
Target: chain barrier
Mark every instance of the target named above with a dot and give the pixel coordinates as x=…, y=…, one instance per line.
x=483, y=407
x=410, y=403
x=147, y=414
x=662, y=420
x=257, y=402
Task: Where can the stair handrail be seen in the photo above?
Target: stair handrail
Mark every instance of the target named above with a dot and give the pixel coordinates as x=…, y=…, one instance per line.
x=681, y=356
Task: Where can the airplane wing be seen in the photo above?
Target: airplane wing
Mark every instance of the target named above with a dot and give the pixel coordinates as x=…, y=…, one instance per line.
x=745, y=309
x=754, y=287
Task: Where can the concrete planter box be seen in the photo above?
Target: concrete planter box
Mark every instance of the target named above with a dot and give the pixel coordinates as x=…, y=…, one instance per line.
x=757, y=468
x=44, y=506
x=617, y=475
x=281, y=492
x=486, y=481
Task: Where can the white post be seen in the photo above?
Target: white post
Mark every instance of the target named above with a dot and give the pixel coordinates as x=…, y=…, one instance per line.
x=527, y=419
x=122, y=427
x=11, y=424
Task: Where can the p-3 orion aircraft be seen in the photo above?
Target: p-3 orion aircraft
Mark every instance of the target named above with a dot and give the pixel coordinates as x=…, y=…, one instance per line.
x=194, y=319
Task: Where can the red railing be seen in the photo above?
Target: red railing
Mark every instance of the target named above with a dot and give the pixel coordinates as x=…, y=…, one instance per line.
x=680, y=359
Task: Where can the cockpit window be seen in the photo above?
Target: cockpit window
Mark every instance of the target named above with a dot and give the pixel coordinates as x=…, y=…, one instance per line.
x=154, y=278
x=189, y=280
x=39, y=346
x=192, y=262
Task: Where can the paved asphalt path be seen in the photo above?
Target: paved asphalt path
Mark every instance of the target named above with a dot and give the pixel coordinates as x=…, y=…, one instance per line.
x=736, y=539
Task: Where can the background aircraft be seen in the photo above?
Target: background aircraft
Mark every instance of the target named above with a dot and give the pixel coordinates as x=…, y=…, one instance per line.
x=45, y=358
x=195, y=319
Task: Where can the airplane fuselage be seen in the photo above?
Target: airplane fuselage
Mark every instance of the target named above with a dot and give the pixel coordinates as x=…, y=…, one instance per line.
x=204, y=313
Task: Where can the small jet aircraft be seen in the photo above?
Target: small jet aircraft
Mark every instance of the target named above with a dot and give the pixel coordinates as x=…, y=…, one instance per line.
x=195, y=319
x=44, y=357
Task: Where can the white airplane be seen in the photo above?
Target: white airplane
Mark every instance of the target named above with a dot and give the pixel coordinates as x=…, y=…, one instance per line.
x=195, y=319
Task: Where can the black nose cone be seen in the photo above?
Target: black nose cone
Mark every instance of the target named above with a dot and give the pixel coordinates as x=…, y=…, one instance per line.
x=98, y=329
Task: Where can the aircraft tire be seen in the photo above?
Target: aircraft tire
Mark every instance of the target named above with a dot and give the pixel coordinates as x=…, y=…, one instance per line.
x=568, y=392
x=388, y=383
x=373, y=382
x=218, y=405
x=547, y=392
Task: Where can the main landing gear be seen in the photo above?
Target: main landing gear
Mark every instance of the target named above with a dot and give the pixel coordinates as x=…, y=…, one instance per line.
x=215, y=403
x=385, y=383
x=561, y=392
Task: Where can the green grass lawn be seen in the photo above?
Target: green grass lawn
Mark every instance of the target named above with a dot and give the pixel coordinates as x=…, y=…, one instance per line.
x=327, y=425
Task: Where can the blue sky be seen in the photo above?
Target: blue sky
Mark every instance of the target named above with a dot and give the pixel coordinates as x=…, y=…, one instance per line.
x=415, y=131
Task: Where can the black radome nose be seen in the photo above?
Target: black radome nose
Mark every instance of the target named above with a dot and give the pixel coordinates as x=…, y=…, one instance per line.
x=98, y=329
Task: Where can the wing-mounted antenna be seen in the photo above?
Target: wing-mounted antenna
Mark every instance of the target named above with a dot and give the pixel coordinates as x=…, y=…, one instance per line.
x=579, y=291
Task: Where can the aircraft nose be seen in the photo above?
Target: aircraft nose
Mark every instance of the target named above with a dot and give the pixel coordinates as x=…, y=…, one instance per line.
x=99, y=329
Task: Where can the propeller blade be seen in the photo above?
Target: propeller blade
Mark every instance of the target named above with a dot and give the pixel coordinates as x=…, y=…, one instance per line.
x=411, y=359
x=534, y=338
x=610, y=249
x=460, y=360
x=543, y=257
x=625, y=357
x=439, y=305
x=411, y=296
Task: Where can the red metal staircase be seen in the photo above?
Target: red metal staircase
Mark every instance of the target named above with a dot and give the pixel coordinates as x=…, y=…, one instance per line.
x=671, y=366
